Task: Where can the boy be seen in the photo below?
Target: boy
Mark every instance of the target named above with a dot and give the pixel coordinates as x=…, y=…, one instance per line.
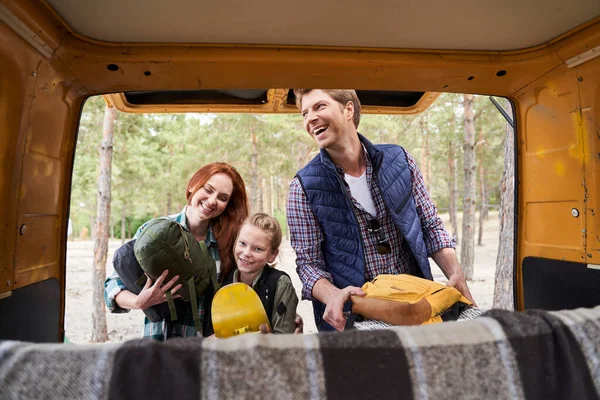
x=255, y=251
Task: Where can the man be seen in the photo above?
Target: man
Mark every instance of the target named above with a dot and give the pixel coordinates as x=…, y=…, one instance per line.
x=358, y=210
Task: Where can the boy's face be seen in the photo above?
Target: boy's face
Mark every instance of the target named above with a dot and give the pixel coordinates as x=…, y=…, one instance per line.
x=326, y=121
x=252, y=249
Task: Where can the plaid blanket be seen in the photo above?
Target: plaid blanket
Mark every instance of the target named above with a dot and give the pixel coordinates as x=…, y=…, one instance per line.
x=501, y=355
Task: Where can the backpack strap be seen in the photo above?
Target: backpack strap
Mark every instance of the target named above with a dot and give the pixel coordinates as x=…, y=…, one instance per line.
x=172, y=309
x=194, y=304
x=350, y=321
x=392, y=312
x=186, y=251
x=212, y=268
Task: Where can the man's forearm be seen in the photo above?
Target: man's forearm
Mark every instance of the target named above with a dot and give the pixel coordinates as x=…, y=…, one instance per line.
x=447, y=261
x=323, y=289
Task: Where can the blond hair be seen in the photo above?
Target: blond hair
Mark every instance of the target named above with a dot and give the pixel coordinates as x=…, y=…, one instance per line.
x=270, y=226
x=342, y=96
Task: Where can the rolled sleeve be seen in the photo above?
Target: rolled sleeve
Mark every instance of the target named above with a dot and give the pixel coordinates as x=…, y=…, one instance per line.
x=434, y=234
x=112, y=287
x=306, y=239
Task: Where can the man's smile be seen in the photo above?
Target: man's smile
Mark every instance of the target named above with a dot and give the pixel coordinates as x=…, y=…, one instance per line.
x=318, y=130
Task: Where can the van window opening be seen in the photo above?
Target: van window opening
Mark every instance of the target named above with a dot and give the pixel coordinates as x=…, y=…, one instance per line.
x=154, y=155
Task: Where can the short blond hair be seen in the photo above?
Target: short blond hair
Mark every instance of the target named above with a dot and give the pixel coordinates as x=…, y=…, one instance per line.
x=268, y=225
x=342, y=96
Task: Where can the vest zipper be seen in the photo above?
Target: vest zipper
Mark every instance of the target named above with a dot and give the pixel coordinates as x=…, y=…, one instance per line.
x=362, y=242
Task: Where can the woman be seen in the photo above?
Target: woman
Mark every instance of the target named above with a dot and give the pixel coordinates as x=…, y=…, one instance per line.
x=217, y=205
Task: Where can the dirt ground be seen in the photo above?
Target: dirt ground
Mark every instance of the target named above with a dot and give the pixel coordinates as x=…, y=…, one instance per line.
x=78, y=316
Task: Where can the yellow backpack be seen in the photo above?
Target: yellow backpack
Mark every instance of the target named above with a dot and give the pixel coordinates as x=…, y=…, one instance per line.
x=406, y=300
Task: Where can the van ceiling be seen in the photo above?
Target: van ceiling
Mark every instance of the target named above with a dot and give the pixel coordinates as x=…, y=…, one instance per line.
x=405, y=24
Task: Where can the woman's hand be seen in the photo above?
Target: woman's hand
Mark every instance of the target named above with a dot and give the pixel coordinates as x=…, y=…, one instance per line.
x=153, y=294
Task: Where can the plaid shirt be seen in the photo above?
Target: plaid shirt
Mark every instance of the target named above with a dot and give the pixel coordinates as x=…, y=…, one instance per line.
x=306, y=235
x=184, y=325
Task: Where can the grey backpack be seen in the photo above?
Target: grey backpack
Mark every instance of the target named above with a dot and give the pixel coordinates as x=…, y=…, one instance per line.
x=165, y=244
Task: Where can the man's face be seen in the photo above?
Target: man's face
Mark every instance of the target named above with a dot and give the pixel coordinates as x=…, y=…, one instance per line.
x=326, y=120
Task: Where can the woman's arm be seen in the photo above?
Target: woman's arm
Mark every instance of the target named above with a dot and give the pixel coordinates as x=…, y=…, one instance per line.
x=151, y=294
x=113, y=286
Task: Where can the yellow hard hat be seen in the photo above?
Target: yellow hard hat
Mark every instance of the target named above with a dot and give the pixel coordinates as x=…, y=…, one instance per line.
x=237, y=309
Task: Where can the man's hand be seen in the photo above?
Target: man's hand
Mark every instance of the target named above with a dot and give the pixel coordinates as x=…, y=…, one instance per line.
x=334, y=310
x=446, y=259
x=299, y=324
x=458, y=281
x=153, y=294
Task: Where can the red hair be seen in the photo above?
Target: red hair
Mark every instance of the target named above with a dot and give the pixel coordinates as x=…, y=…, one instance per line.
x=226, y=225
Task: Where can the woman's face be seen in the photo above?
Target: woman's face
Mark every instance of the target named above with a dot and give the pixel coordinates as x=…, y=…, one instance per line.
x=211, y=199
x=252, y=249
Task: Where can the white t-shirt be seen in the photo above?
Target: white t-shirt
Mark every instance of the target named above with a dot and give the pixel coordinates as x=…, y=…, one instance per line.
x=360, y=191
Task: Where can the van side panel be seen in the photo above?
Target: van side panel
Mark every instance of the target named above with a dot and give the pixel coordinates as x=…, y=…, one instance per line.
x=559, y=178
x=40, y=103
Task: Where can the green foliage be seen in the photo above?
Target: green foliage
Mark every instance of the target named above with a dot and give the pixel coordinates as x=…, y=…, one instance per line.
x=280, y=216
x=155, y=155
x=86, y=166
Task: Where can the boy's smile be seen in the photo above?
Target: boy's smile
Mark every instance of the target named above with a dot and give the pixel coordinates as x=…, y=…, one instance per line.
x=252, y=250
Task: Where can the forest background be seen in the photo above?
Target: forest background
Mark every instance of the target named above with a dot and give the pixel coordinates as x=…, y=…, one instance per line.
x=459, y=143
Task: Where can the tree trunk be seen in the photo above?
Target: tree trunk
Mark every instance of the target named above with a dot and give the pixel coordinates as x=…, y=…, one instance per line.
x=273, y=195
x=482, y=190
x=284, y=194
x=261, y=195
x=467, y=253
x=482, y=206
x=99, y=331
x=503, y=288
x=277, y=194
x=254, y=195
x=452, y=187
x=169, y=205
x=123, y=233
x=301, y=152
x=486, y=210
x=425, y=161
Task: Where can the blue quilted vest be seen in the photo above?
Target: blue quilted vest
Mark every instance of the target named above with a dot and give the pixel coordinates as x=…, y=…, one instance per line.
x=330, y=203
